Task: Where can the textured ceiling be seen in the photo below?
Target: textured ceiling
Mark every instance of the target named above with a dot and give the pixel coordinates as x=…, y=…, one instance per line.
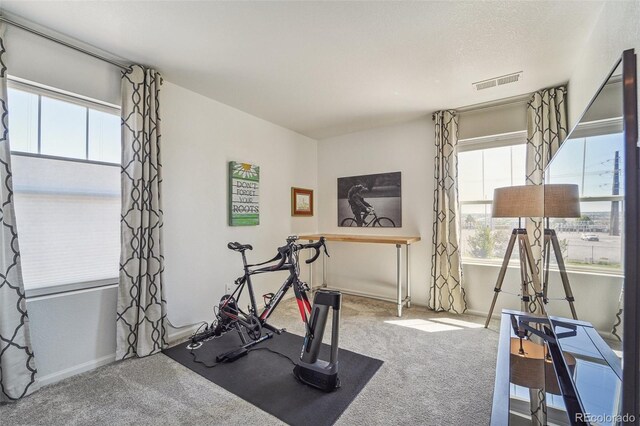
x=328, y=68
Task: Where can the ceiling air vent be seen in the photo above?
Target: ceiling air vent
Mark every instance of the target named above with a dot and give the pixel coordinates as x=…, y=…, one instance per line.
x=498, y=81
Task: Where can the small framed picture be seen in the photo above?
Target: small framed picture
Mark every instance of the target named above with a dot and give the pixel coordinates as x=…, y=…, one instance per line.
x=301, y=202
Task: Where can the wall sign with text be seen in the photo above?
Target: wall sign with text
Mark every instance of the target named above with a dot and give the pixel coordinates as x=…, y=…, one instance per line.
x=244, y=190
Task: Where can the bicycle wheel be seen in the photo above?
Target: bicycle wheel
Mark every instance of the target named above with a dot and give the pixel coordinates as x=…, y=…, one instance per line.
x=349, y=222
x=384, y=222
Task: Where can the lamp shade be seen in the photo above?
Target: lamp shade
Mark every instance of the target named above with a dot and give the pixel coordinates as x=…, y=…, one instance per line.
x=518, y=201
x=561, y=200
x=553, y=200
x=530, y=367
x=527, y=363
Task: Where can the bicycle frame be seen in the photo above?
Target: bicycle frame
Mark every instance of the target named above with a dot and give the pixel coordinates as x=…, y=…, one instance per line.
x=370, y=219
x=304, y=305
x=371, y=214
x=373, y=219
x=230, y=315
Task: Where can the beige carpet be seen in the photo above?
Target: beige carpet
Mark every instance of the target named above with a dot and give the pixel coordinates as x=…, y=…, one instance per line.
x=439, y=373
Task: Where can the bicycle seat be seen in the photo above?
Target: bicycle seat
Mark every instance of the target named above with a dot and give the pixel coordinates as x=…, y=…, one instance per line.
x=239, y=247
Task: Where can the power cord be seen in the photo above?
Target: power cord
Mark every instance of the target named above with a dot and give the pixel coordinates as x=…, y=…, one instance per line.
x=215, y=364
x=204, y=324
x=274, y=352
x=197, y=361
x=178, y=327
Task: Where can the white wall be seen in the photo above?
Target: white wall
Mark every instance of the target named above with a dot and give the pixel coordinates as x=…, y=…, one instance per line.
x=408, y=148
x=75, y=331
x=617, y=29
x=199, y=137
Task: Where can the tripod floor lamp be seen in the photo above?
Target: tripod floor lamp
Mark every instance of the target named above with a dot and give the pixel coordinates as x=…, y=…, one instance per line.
x=534, y=201
x=560, y=201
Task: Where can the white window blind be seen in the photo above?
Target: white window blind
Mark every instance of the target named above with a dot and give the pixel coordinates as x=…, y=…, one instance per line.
x=68, y=216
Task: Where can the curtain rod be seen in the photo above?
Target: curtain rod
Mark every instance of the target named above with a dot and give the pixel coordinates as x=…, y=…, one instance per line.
x=490, y=104
x=495, y=103
x=63, y=43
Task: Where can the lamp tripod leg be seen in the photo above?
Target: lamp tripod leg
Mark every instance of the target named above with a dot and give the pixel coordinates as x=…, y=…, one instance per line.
x=547, y=258
x=535, y=277
x=524, y=276
x=503, y=271
x=563, y=273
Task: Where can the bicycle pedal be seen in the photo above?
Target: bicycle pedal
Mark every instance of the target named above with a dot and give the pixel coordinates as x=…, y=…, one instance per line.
x=274, y=329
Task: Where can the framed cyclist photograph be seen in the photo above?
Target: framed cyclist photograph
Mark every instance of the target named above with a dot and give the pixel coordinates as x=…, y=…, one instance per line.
x=301, y=202
x=370, y=200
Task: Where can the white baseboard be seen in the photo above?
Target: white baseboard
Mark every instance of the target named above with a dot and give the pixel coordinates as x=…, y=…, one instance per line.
x=496, y=315
x=178, y=336
x=76, y=369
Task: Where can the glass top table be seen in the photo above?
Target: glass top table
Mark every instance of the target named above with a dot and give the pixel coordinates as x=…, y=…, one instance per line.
x=554, y=371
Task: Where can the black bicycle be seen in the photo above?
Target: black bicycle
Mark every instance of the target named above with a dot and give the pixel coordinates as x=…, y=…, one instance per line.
x=375, y=220
x=228, y=314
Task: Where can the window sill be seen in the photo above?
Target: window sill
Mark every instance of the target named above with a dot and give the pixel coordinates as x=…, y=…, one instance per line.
x=570, y=270
x=34, y=293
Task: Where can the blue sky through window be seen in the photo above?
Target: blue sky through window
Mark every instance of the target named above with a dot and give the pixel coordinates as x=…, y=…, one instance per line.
x=67, y=129
x=590, y=163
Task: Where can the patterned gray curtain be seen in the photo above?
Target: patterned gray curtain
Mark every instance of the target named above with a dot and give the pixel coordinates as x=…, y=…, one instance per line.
x=446, y=292
x=546, y=131
x=141, y=305
x=17, y=364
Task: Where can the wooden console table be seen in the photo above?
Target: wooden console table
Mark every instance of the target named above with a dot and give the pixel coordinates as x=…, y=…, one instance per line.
x=372, y=239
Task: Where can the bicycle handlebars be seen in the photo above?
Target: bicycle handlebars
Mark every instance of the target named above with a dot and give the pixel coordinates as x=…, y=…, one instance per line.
x=297, y=247
x=284, y=251
x=316, y=246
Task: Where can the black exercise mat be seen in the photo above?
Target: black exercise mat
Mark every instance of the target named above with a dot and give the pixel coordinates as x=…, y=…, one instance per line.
x=266, y=379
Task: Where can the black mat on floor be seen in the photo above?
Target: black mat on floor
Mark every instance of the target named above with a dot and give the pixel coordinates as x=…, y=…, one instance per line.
x=266, y=380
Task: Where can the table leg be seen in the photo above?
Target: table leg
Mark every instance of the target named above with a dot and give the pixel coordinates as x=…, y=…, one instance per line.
x=408, y=273
x=399, y=277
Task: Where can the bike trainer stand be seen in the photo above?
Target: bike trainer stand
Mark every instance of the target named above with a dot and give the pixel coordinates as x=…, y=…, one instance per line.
x=311, y=370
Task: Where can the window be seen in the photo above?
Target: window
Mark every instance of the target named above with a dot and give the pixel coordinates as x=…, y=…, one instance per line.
x=594, y=162
x=48, y=123
x=66, y=177
x=480, y=171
